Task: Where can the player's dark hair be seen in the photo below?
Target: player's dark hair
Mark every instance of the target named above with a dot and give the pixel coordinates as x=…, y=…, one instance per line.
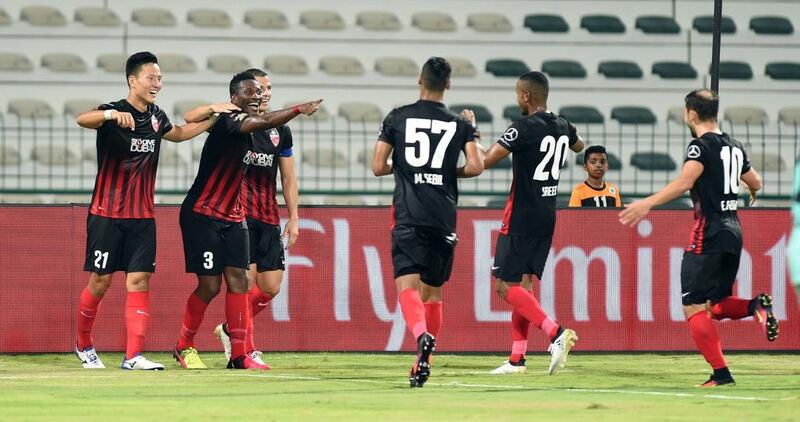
x=257, y=73
x=238, y=79
x=537, y=84
x=435, y=74
x=594, y=149
x=704, y=102
x=137, y=60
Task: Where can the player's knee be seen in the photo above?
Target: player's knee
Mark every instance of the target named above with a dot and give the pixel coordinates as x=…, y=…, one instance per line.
x=98, y=284
x=690, y=310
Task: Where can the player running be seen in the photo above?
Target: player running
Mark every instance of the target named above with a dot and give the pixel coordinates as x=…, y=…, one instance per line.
x=538, y=143
x=121, y=230
x=425, y=140
x=595, y=191
x=713, y=166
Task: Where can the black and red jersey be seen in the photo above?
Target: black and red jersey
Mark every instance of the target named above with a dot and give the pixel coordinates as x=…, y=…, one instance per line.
x=538, y=145
x=260, y=182
x=428, y=140
x=715, y=192
x=127, y=161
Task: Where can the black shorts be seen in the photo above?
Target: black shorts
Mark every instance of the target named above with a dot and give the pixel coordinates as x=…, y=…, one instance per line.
x=266, y=248
x=425, y=251
x=708, y=276
x=211, y=244
x=120, y=244
x=518, y=255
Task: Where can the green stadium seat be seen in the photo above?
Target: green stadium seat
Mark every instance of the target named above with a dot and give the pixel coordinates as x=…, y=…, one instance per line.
x=15, y=62
x=378, y=21
x=653, y=161
x=266, y=19
x=322, y=20
x=674, y=70
x=148, y=16
x=563, y=69
x=434, y=21
x=396, y=66
x=658, y=25
x=675, y=114
x=489, y=22
x=614, y=163
x=4, y=18
x=461, y=67
x=507, y=67
x=209, y=18
x=789, y=115
x=97, y=16
x=497, y=203
x=581, y=114
x=482, y=114
x=341, y=65
x=705, y=25
x=775, y=25
x=633, y=115
x=735, y=70
x=603, y=24
x=228, y=63
x=286, y=64
x=30, y=108
x=783, y=70
x=620, y=69
x=546, y=23
x=42, y=16
x=512, y=112
x=360, y=112
x=746, y=115
x=63, y=62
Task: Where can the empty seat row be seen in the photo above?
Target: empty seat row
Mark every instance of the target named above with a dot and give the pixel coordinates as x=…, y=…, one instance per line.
x=388, y=21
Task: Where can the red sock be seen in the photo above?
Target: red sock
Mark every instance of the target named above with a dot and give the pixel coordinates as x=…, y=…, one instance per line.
x=433, y=317
x=413, y=311
x=237, y=316
x=258, y=302
x=192, y=318
x=731, y=307
x=707, y=339
x=528, y=307
x=519, y=336
x=87, y=311
x=137, y=315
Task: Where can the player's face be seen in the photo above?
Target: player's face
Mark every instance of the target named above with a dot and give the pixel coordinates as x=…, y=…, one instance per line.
x=266, y=91
x=146, y=84
x=596, y=165
x=522, y=98
x=248, y=97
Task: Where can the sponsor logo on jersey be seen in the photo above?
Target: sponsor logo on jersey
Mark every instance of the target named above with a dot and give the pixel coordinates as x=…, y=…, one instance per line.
x=154, y=123
x=143, y=145
x=274, y=137
x=510, y=135
x=693, y=151
x=260, y=159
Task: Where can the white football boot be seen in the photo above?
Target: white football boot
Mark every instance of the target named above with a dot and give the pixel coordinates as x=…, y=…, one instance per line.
x=89, y=358
x=559, y=349
x=508, y=368
x=139, y=362
x=225, y=339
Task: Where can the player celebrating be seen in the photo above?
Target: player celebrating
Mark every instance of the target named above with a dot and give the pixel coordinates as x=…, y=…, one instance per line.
x=121, y=231
x=594, y=191
x=714, y=164
x=538, y=144
x=215, y=236
x=425, y=141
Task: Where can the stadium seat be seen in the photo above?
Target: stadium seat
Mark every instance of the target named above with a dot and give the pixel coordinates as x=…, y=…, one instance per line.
x=563, y=69
x=658, y=25
x=434, y=21
x=63, y=62
x=321, y=114
x=9, y=156
x=285, y=64
x=209, y=18
x=15, y=62
x=674, y=70
x=783, y=70
x=603, y=24
x=546, y=23
x=97, y=16
x=482, y=114
x=675, y=114
x=176, y=63
x=620, y=69
x=4, y=18
x=169, y=156
x=341, y=65
x=396, y=66
x=55, y=155
x=614, y=163
x=42, y=16
x=653, y=161
x=151, y=16
x=114, y=63
x=324, y=158
x=322, y=20
x=378, y=21
x=182, y=106
x=228, y=63
x=489, y=22
x=360, y=112
x=773, y=25
x=766, y=161
x=21, y=199
x=29, y=108
x=512, y=112
x=90, y=154
x=498, y=202
x=77, y=106
x=746, y=115
x=581, y=114
x=705, y=25
x=633, y=115
x=789, y=115
x=461, y=67
x=507, y=67
x=735, y=70
x=266, y=19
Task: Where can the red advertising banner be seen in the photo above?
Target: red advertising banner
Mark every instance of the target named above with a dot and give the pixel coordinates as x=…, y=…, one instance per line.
x=618, y=287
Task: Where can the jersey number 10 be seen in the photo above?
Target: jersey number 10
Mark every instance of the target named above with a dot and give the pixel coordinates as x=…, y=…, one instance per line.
x=418, y=155
x=554, y=151
x=732, y=161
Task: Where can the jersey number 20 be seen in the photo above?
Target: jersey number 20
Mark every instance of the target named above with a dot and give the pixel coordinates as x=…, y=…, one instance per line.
x=732, y=161
x=418, y=155
x=554, y=151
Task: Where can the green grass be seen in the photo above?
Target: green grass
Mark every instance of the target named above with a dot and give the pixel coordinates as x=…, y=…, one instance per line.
x=356, y=386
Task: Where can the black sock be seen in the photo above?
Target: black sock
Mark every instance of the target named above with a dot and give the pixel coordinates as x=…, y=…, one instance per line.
x=751, y=307
x=722, y=373
x=558, y=333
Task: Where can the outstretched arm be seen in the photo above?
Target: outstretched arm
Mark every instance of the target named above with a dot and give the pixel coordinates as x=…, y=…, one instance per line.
x=188, y=131
x=198, y=114
x=637, y=210
x=277, y=118
x=495, y=153
x=93, y=119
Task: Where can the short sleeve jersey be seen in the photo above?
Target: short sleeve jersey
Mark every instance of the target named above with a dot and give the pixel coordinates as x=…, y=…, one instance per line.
x=260, y=182
x=127, y=161
x=217, y=187
x=428, y=140
x=538, y=145
x=586, y=195
x=715, y=192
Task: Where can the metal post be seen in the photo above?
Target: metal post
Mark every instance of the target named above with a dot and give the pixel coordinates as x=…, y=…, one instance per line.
x=716, y=46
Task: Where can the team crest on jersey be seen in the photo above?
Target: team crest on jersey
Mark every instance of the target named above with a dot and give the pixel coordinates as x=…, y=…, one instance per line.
x=511, y=135
x=275, y=137
x=154, y=123
x=693, y=151
x=612, y=191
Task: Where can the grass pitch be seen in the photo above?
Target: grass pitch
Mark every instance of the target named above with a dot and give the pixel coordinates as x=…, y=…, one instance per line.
x=358, y=386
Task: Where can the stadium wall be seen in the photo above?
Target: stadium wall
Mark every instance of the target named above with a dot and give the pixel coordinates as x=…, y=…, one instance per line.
x=618, y=287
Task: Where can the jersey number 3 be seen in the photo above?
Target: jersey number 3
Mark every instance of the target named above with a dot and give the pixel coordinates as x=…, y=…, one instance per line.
x=732, y=161
x=554, y=151
x=418, y=143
